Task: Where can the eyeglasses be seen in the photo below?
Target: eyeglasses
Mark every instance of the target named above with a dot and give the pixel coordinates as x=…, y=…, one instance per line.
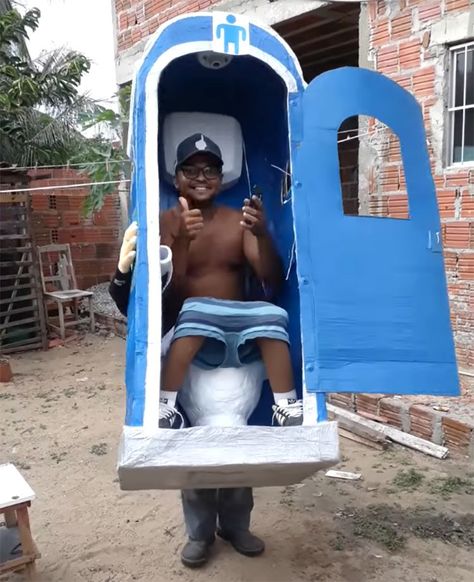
x=209, y=172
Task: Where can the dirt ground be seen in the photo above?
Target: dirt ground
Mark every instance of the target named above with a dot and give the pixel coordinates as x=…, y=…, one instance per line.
x=410, y=518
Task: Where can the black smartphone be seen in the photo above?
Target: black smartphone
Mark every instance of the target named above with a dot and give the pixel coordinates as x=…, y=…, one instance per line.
x=256, y=191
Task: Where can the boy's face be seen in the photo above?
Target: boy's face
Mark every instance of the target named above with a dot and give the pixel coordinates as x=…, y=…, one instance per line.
x=199, y=178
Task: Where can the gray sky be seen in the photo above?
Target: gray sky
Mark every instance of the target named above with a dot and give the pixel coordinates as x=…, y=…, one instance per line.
x=82, y=25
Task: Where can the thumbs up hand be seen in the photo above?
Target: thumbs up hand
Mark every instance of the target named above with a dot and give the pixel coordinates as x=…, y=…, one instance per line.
x=191, y=222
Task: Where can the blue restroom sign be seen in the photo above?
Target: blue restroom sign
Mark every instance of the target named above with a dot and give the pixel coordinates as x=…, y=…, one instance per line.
x=230, y=34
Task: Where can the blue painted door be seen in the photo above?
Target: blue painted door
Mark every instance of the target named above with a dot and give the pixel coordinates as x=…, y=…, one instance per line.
x=374, y=304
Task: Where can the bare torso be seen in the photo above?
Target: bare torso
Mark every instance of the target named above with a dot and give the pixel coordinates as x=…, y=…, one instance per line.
x=215, y=259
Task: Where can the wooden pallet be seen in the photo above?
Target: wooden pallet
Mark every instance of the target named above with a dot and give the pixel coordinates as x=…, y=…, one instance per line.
x=22, y=321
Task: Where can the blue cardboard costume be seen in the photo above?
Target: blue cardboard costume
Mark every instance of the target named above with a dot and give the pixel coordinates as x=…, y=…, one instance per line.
x=222, y=75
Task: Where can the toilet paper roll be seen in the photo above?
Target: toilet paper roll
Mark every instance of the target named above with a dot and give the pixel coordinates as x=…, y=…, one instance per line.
x=166, y=263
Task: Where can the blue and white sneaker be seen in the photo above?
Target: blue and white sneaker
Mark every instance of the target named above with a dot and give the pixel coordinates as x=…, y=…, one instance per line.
x=288, y=412
x=170, y=417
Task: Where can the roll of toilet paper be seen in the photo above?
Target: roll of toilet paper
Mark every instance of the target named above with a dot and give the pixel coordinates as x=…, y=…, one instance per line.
x=166, y=263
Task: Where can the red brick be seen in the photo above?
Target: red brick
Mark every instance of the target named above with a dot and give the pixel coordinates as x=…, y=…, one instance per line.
x=466, y=266
x=457, y=179
x=71, y=218
x=429, y=11
x=378, y=206
x=392, y=411
x=390, y=178
x=456, y=235
x=423, y=82
x=452, y=5
x=380, y=33
x=404, y=81
x=451, y=262
x=446, y=199
x=39, y=202
x=367, y=403
x=401, y=26
x=457, y=435
x=344, y=400
x=398, y=206
x=409, y=54
x=467, y=204
x=387, y=59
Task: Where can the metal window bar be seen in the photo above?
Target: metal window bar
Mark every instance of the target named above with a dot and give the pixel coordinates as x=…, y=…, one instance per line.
x=452, y=108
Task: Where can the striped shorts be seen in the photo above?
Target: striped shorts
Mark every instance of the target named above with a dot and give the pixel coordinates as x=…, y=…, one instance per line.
x=230, y=329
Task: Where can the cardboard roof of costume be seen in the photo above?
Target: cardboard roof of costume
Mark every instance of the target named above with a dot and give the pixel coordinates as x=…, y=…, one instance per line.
x=366, y=296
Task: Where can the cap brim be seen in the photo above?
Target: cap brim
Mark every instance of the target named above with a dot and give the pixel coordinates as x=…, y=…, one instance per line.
x=215, y=156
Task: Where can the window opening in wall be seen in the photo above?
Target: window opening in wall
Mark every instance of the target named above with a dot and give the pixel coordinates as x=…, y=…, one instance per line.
x=461, y=105
x=371, y=169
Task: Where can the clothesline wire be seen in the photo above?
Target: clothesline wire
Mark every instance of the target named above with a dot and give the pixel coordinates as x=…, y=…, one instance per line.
x=64, y=166
x=63, y=187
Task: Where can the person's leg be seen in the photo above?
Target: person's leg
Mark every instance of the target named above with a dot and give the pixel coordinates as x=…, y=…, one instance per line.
x=234, y=508
x=276, y=357
x=200, y=515
x=176, y=365
x=180, y=355
x=277, y=360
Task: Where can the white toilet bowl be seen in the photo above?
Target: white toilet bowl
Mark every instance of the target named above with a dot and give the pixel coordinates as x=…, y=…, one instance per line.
x=223, y=396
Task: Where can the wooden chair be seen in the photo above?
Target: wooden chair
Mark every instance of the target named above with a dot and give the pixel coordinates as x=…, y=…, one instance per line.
x=15, y=498
x=60, y=285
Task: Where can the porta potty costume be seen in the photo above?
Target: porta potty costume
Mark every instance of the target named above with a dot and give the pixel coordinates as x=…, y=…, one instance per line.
x=238, y=83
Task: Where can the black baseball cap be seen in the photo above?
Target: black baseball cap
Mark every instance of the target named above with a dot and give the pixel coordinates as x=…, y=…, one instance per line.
x=197, y=144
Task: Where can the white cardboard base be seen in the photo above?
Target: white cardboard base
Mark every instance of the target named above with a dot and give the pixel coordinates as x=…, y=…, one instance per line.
x=214, y=457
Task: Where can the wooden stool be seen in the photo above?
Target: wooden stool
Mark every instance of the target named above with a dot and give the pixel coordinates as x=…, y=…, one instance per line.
x=15, y=498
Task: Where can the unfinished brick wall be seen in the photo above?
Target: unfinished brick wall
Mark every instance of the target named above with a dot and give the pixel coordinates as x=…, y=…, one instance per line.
x=137, y=19
x=58, y=218
x=401, y=47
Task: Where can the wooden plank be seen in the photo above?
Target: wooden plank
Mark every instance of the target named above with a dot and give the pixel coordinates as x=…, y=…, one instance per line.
x=24, y=249
x=24, y=347
x=13, y=213
x=18, y=299
x=361, y=430
x=15, y=489
x=15, y=276
x=363, y=441
x=19, y=322
x=31, y=307
x=345, y=475
x=397, y=436
x=15, y=236
x=21, y=263
x=13, y=287
x=52, y=278
x=24, y=342
x=11, y=565
x=38, y=287
x=15, y=253
x=15, y=223
x=13, y=198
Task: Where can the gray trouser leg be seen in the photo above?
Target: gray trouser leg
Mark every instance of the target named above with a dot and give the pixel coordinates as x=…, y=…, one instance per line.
x=234, y=507
x=200, y=513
